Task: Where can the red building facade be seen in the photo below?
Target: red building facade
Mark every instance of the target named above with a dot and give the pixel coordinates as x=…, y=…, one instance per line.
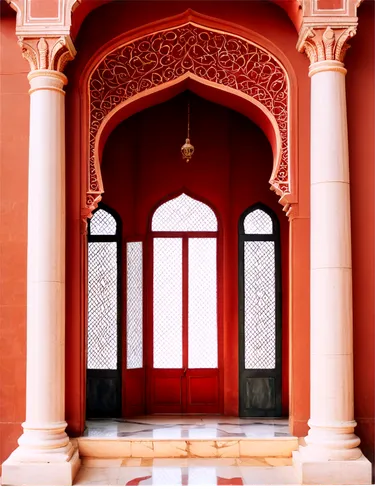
x=261, y=118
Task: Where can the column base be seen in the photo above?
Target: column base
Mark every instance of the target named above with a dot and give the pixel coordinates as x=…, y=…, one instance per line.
x=39, y=473
x=332, y=472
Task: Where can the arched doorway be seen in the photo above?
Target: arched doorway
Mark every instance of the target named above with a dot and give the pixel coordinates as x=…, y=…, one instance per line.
x=99, y=132
x=180, y=253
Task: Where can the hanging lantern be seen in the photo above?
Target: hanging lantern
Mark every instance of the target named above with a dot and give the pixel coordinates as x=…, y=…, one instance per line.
x=187, y=149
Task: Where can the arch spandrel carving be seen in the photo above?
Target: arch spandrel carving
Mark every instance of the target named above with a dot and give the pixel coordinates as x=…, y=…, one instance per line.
x=221, y=59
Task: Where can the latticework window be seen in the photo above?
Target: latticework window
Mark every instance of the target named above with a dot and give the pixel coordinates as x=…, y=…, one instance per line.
x=167, y=303
x=102, y=292
x=259, y=310
x=184, y=214
x=258, y=222
x=102, y=223
x=185, y=285
x=134, y=305
x=202, y=305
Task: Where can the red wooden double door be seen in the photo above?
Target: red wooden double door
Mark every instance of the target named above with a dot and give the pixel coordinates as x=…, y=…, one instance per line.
x=172, y=346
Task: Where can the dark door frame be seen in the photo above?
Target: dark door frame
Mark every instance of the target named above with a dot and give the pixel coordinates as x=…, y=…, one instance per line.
x=108, y=374
x=270, y=374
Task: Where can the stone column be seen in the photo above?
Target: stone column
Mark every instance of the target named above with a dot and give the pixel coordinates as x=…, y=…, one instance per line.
x=45, y=454
x=332, y=454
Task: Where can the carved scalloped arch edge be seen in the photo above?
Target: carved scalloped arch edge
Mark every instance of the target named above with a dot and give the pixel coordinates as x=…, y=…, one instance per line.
x=282, y=189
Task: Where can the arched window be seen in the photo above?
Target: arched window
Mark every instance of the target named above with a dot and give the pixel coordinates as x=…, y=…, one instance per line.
x=258, y=222
x=184, y=214
x=184, y=318
x=259, y=313
x=103, y=290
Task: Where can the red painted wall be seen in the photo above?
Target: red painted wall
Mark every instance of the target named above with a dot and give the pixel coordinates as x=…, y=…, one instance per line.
x=14, y=136
x=361, y=124
x=101, y=26
x=230, y=169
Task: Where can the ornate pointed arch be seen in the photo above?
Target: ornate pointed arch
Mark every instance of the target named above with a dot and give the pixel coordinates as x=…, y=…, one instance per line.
x=226, y=62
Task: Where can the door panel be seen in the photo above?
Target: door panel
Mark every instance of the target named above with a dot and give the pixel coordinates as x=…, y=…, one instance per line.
x=259, y=314
x=103, y=395
x=167, y=391
x=202, y=375
x=165, y=376
x=203, y=391
x=185, y=375
x=260, y=393
x=134, y=373
x=134, y=398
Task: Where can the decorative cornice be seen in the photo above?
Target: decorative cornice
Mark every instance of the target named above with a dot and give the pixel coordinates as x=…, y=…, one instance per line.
x=47, y=52
x=324, y=43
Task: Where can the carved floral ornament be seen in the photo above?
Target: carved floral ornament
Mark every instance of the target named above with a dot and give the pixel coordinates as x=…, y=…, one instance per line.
x=325, y=43
x=219, y=58
x=50, y=53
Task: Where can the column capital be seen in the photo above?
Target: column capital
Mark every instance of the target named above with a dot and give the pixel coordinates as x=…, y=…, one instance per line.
x=47, y=52
x=326, y=44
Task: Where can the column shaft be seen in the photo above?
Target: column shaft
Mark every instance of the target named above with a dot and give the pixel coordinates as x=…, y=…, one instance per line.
x=331, y=434
x=45, y=456
x=44, y=429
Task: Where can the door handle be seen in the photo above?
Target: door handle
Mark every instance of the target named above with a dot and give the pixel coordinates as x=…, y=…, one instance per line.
x=185, y=370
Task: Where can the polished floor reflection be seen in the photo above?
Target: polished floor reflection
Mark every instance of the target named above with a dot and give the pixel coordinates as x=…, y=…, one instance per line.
x=213, y=451
x=186, y=472
x=187, y=427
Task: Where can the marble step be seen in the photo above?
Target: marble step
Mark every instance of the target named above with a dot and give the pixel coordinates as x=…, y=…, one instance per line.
x=119, y=447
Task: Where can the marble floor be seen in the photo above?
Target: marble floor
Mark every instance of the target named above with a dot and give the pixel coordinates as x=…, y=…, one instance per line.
x=192, y=427
x=140, y=469
x=186, y=472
